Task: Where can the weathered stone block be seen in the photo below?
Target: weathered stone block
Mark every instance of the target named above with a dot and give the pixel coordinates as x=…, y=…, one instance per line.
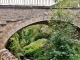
x=2, y=22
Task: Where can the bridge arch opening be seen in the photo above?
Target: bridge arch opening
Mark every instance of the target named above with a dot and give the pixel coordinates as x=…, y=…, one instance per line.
x=17, y=26
x=36, y=29
x=32, y=44
x=21, y=27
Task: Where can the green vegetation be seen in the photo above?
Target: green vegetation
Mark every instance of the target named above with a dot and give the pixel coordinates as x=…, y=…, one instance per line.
x=65, y=44
x=68, y=3
x=58, y=41
x=34, y=46
x=28, y=40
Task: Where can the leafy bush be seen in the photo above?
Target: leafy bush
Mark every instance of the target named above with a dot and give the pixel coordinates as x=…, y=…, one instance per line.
x=64, y=48
x=34, y=46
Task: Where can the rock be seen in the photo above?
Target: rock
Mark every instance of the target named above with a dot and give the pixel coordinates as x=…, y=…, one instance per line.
x=5, y=54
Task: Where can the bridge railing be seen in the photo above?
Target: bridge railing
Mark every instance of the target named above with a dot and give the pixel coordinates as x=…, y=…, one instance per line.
x=28, y=2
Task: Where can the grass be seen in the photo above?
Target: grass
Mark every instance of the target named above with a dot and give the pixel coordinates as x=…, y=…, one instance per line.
x=67, y=4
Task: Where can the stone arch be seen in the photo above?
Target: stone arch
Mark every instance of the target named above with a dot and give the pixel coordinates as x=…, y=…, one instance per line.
x=18, y=25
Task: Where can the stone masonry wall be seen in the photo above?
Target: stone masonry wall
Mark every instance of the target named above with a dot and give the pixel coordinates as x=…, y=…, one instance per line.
x=11, y=20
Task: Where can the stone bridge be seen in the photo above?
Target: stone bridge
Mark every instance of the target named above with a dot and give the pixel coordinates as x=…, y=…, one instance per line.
x=13, y=19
